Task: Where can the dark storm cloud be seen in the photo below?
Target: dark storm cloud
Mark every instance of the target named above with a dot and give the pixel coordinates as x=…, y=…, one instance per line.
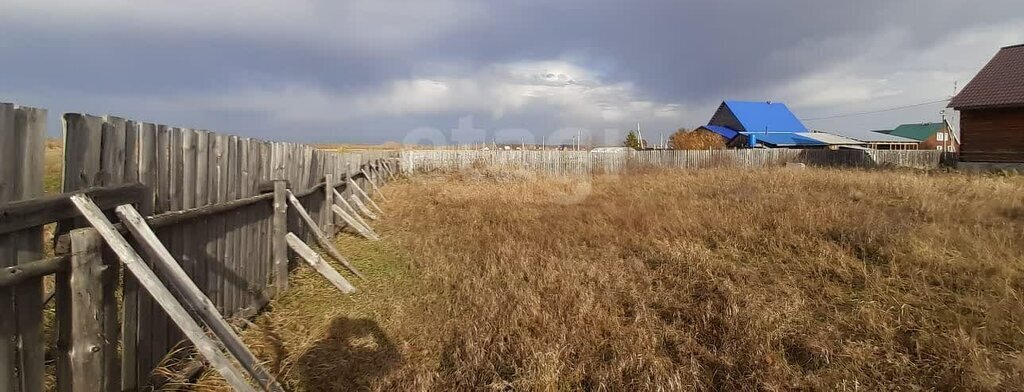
x=333, y=66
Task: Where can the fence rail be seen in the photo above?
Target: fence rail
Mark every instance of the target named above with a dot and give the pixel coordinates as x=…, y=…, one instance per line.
x=576, y=162
x=205, y=193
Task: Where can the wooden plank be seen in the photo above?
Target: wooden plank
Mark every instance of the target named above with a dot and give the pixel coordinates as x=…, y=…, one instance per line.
x=351, y=222
x=198, y=301
x=319, y=235
x=279, y=244
x=26, y=214
x=362, y=207
x=367, y=197
x=146, y=174
x=112, y=156
x=328, y=218
x=314, y=260
x=22, y=132
x=219, y=192
x=340, y=200
x=82, y=145
x=188, y=198
x=247, y=249
x=27, y=245
x=231, y=246
x=153, y=321
x=24, y=272
x=148, y=280
x=113, y=165
x=90, y=344
x=175, y=236
x=201, y=242
x=375, y=189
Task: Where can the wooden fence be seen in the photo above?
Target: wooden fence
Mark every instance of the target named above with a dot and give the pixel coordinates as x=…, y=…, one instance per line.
x=576, y=162
x=208, y=194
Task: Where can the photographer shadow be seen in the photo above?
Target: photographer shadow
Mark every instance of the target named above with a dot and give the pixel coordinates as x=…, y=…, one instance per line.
x=353, y=355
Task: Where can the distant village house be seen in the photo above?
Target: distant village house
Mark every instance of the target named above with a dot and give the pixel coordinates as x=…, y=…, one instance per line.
x=769, y=124
x=929, y=136
x=992, y=111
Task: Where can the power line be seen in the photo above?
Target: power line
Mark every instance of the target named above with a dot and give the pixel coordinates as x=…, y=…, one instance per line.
x=877, y=111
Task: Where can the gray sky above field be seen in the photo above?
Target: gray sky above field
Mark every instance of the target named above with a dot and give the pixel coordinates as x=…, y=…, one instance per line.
x=373, y=71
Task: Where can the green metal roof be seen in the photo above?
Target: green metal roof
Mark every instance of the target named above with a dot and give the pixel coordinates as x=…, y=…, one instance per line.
x=919, y=132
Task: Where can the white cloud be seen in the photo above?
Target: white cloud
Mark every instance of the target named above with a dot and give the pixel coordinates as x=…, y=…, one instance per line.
x=577, y=96
x=889, y=71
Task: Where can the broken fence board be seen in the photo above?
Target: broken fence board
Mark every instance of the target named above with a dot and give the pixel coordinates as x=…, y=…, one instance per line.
x=148, y=280
x=314, y=260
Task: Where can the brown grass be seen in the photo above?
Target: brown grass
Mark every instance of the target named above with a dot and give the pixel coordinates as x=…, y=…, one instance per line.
x=716, y=279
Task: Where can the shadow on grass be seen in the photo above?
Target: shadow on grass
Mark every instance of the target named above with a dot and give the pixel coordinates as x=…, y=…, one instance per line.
x=354, y=354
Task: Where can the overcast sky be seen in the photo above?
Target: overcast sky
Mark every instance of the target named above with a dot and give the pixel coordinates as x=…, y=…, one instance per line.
x=376, y=71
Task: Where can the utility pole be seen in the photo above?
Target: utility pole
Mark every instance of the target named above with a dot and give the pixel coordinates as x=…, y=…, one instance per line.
x=639, y=135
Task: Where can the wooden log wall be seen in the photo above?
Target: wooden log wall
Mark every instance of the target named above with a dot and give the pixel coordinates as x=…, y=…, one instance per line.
x=585, y=163
x=22, y=144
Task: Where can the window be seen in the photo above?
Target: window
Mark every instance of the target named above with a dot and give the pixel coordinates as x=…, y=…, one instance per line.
x=938, y=148
x=941, y=136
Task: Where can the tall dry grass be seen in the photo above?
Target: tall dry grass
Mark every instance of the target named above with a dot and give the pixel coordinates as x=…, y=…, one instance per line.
x=680, y=280
x=724, y=279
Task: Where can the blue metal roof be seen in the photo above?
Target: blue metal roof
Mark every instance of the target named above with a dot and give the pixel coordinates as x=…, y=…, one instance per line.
x=784, y=139
x=765, y=116
x=726, y=132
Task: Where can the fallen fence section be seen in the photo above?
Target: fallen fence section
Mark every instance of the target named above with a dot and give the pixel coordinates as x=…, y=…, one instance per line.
x=585, y=163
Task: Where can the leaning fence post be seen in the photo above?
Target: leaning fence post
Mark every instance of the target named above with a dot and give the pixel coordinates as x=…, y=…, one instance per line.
x=328, y=217
x=280, y=243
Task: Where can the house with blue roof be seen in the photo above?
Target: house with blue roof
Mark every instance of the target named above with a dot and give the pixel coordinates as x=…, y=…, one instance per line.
x=767, y=124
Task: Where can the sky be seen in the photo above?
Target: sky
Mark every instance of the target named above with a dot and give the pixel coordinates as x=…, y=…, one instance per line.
x=450, y=71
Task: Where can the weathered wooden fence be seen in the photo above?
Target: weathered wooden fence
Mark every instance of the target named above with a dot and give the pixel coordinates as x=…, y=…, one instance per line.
x=214, y=209
x=575, y=162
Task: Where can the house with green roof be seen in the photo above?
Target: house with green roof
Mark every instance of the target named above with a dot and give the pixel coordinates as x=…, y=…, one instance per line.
x=929, y=136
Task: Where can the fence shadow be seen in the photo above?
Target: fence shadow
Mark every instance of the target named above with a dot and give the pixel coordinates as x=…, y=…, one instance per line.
x=353, y=355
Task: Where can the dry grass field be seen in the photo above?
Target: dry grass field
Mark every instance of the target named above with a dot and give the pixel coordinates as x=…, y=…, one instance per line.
x=715, y=279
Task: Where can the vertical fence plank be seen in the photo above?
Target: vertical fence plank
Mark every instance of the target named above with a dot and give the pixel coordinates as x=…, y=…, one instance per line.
x=83, y=136
x=22, y=133
x=145, y=173
x=219, y=193
x=280, y=245
x=232, y=248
